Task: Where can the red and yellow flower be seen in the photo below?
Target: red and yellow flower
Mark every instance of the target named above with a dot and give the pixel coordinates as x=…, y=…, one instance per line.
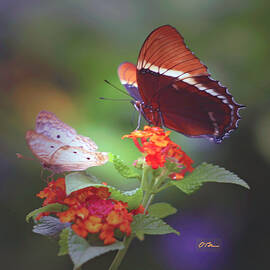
x=157, y=148
x=90, y=210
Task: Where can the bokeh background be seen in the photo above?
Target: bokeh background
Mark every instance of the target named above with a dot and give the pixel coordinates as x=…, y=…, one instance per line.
x=55, y=55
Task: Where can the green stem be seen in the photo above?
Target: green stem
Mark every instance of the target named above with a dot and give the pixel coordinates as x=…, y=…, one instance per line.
x=121, y=253
x=147, y=198
x=146, y=201
x=159, y=180
x=144, y=182
x=164, y=186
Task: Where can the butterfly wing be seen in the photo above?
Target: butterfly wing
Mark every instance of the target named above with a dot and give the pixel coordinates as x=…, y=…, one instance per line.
x=60, y=148
x=127, y=75
x=42, y=146
x=180, y=91
x=49, y=125
x=196, y=115
x=69, y=158
x=84, y=142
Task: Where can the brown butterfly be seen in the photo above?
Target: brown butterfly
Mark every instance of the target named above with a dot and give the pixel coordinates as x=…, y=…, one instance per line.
x=172, y=88
x=59, y=148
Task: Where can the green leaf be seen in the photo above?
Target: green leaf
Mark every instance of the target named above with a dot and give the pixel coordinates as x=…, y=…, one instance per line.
x=140, y=235
x=145, y=224
x=122, y=167
x=63, y=242
x=77, y=181
x=81, y=251
x=132, y=197
x=53, y=207
x=207, y=173
x=161, y=210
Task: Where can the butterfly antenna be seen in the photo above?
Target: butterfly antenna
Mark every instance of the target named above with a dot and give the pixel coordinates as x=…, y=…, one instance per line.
x=115, y=87
x=23, y=157
x=115, y=99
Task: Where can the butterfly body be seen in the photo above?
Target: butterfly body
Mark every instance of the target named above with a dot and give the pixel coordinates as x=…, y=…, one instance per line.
x=59, y=148
x=172, y=88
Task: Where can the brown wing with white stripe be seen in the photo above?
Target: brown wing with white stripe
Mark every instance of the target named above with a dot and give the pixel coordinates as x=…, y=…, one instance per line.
x=164, y=51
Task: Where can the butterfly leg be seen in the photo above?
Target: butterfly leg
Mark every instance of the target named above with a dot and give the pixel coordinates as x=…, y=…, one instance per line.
x=139, y=121
x=161, y=120
x=41, y=173
x=50, y=177
x=140, y=117
x=47, y=179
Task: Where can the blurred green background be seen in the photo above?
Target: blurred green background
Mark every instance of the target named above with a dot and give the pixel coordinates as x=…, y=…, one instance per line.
x=55, y=55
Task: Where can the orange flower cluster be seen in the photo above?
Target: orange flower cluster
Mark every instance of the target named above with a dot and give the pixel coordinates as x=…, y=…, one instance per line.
x=90, y=210
x=157, y=147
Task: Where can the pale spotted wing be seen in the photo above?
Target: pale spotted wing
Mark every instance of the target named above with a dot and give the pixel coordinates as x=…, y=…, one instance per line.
x=69, y=158
x=49, y=125
x=41, y=146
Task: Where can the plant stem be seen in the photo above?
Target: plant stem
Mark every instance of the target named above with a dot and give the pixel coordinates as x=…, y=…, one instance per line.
x=164, y=186
x=121, y=253
x=148, y=197
x=146, y=201
x=144, y=182
x=159, y=180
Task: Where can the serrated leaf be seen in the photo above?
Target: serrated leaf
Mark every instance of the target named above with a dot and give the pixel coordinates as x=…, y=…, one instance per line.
x=132, y=197
x=207, y=173
x=49, y=226
x=77, y=181
x=122, y=167
x=81, y=251
x=53, y=207
x=146, y=224
x=63, y=242
x=161, y=210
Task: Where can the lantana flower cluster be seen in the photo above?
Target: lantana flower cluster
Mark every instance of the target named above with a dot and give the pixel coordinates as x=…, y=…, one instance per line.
x=157, y=148
x=90, y=210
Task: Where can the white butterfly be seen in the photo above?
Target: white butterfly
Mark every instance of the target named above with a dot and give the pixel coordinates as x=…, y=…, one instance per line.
x=59, y=148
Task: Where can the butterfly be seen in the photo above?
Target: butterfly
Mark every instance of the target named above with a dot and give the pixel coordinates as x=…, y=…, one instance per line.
x=170, y=87
x=59, y=148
